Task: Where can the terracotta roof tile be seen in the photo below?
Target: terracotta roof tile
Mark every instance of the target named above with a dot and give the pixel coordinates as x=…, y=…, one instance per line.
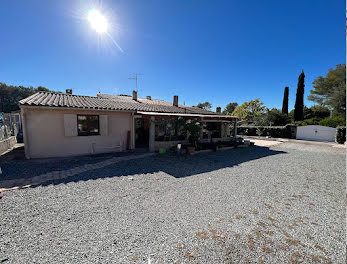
x=108, y=102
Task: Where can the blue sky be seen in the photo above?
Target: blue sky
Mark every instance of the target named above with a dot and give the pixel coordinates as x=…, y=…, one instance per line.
x=217, y=51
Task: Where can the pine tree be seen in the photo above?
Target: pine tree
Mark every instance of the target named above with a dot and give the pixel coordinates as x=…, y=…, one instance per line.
x=285, y=100
x=299, y=102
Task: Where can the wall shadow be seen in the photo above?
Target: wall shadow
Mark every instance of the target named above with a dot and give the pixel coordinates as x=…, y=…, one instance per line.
x=15, y=166
x=170, y=163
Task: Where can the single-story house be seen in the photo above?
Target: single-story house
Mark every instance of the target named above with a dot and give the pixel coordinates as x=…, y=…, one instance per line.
x=63, y=124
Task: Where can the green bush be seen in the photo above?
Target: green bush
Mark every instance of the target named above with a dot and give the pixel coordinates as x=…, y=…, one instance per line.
x=309, y=122
x=312, y=121
x=333, y=122
x=316, y=111
x=271, y=131
x=192, y=129
x=300, y=123
x=340, y=136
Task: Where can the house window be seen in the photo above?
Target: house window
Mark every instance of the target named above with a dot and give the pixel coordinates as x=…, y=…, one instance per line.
x=88, y=125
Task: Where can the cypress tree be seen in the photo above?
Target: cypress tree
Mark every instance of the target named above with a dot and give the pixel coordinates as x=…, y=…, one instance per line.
x=299, y=102
x=285, y=100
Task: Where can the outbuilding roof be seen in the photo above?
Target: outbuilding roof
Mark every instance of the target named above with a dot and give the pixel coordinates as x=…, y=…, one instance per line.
x=109, y=102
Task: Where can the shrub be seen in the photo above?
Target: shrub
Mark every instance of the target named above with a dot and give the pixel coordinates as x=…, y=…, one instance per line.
x=192, y=130
x=340, y=136
x=309, y=122
x=316, y=111
x=300, y=123
x=333, y=122
x=319, y=111
x=272, y=117
x=272, y=131
x=312, y=121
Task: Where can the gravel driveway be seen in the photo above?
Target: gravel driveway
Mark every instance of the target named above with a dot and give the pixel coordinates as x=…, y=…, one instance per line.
x=283, y=204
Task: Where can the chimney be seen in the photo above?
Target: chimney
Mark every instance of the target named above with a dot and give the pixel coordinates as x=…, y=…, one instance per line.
x=218, y=110
x=149, y=97
x=134, y=95
x=68, y=91
x=175, y=100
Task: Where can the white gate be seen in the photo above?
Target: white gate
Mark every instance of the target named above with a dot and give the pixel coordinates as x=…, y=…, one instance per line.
x=317, y=133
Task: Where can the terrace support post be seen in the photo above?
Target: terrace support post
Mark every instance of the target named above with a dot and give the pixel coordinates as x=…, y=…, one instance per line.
x=151, y=133
x=227, y=129
x=235, y=128
x=222, y=130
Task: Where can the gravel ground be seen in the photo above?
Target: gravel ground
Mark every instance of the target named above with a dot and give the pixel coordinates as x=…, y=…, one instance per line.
x=251, y=205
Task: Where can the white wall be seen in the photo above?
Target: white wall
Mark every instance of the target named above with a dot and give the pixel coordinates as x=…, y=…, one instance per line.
x=46, y=135
x=316, y=133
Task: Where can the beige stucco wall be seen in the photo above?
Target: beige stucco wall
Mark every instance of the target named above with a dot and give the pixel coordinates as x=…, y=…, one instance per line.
x=45, y=134
x=7, y=144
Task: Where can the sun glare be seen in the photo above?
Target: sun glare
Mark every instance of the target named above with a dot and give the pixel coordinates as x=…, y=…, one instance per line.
x=97, y=21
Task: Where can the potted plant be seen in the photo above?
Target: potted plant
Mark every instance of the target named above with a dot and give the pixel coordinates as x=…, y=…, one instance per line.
x=192, y=131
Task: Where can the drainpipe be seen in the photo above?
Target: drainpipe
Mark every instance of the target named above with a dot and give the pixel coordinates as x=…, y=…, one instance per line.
x=25, y=136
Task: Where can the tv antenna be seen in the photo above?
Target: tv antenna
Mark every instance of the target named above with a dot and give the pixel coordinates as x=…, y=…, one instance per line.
x=135, y=78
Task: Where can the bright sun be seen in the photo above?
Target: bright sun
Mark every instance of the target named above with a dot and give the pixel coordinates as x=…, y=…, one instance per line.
x=97, y=21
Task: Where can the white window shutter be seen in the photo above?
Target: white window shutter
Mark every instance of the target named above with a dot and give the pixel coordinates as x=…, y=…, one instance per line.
x=70, y=125
x=103, y=125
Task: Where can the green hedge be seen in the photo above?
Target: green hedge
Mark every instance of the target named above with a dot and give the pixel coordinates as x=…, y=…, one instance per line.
x=340, y=136
x=271, y=131
x=333, y=122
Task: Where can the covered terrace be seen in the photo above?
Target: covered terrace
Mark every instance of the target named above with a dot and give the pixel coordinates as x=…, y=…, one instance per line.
x=155, y=130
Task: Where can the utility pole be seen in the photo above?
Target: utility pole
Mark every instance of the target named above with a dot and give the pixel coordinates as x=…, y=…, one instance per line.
x=135, y=78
